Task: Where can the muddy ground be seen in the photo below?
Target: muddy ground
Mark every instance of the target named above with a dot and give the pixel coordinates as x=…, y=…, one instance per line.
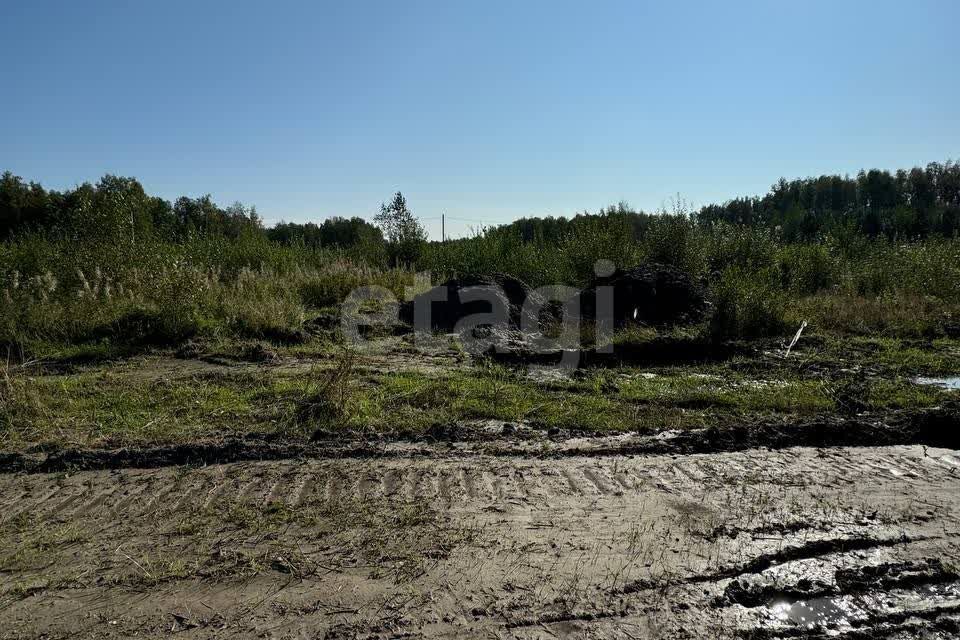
x=757, y=543
x=839, y=524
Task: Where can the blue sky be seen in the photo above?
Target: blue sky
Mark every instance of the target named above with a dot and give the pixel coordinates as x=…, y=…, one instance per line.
x=487, y=111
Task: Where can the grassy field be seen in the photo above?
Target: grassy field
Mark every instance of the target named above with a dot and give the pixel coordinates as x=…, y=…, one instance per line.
x=115, y=343
x=392, y=390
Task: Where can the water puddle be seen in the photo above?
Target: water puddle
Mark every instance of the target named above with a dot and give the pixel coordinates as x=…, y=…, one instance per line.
x=855, y=611
x=952, y=383
x=814, y=613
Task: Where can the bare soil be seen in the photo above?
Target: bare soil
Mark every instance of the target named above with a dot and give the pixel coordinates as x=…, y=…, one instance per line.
x=855, y=541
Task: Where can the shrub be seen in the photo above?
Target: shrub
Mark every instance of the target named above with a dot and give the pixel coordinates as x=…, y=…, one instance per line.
x=748, y=304
x=257, y=304
x=807, y=268
x=738, y=246
x=674, y=240
x=60, y=292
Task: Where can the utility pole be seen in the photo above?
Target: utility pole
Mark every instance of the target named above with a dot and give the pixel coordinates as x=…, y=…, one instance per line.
x=443, y=227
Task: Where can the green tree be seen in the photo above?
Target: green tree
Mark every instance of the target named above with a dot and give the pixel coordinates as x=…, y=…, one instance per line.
x=120, y=209
x=22, y=206
x=404, y=233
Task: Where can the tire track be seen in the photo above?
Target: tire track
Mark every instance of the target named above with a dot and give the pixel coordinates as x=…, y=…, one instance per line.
x=454, y=483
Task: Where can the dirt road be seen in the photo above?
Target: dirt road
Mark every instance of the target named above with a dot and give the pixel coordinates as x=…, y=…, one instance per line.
x=856, y=541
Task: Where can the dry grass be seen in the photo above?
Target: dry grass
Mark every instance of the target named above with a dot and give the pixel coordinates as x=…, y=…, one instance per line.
x=21, y=403
x=328, y=400
x=902, y=315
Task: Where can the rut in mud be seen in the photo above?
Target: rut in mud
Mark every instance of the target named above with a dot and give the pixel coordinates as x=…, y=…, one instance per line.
x=739, y=544
x=935, y=427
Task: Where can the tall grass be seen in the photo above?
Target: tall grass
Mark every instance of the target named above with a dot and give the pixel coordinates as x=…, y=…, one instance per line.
x=68, y=291
x=758, y=282
x=157, y=292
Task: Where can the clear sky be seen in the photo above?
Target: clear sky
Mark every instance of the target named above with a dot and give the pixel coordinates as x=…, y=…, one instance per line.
x=487, y=111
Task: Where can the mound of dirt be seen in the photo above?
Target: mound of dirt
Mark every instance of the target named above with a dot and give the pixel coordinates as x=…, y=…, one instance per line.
x=652, y=294
x=454, y=300
x=937, y=427
x=324, y=322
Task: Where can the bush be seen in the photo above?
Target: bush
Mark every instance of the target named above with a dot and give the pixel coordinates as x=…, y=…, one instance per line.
x=673, y=240
x=259, y=305
x=748, y=304
x=737, y=246
x=807, y=268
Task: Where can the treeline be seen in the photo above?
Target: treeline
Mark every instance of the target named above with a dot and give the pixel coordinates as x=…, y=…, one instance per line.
x=118, y=208
x=914, y=203
x=333, y=232
x=115, y=208
x=875, y=254
x=552, y=230
x=906, y=204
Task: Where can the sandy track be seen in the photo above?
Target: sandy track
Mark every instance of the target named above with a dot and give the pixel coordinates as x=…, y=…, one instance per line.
x=484, y=546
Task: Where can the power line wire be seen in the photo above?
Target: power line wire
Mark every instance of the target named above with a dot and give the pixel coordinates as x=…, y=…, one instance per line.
x=466, y=220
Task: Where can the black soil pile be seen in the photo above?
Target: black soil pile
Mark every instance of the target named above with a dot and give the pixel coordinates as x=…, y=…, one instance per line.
x=651, y=294
x=456, y=299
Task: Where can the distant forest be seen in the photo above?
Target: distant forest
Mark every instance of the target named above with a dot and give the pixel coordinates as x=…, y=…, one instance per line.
x=915, y=203
x=906, y=204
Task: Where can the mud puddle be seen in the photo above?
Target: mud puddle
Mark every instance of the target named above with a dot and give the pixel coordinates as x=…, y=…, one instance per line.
x=950, y=383
x=844, y=611
x=836, y=615
x=868, y=596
